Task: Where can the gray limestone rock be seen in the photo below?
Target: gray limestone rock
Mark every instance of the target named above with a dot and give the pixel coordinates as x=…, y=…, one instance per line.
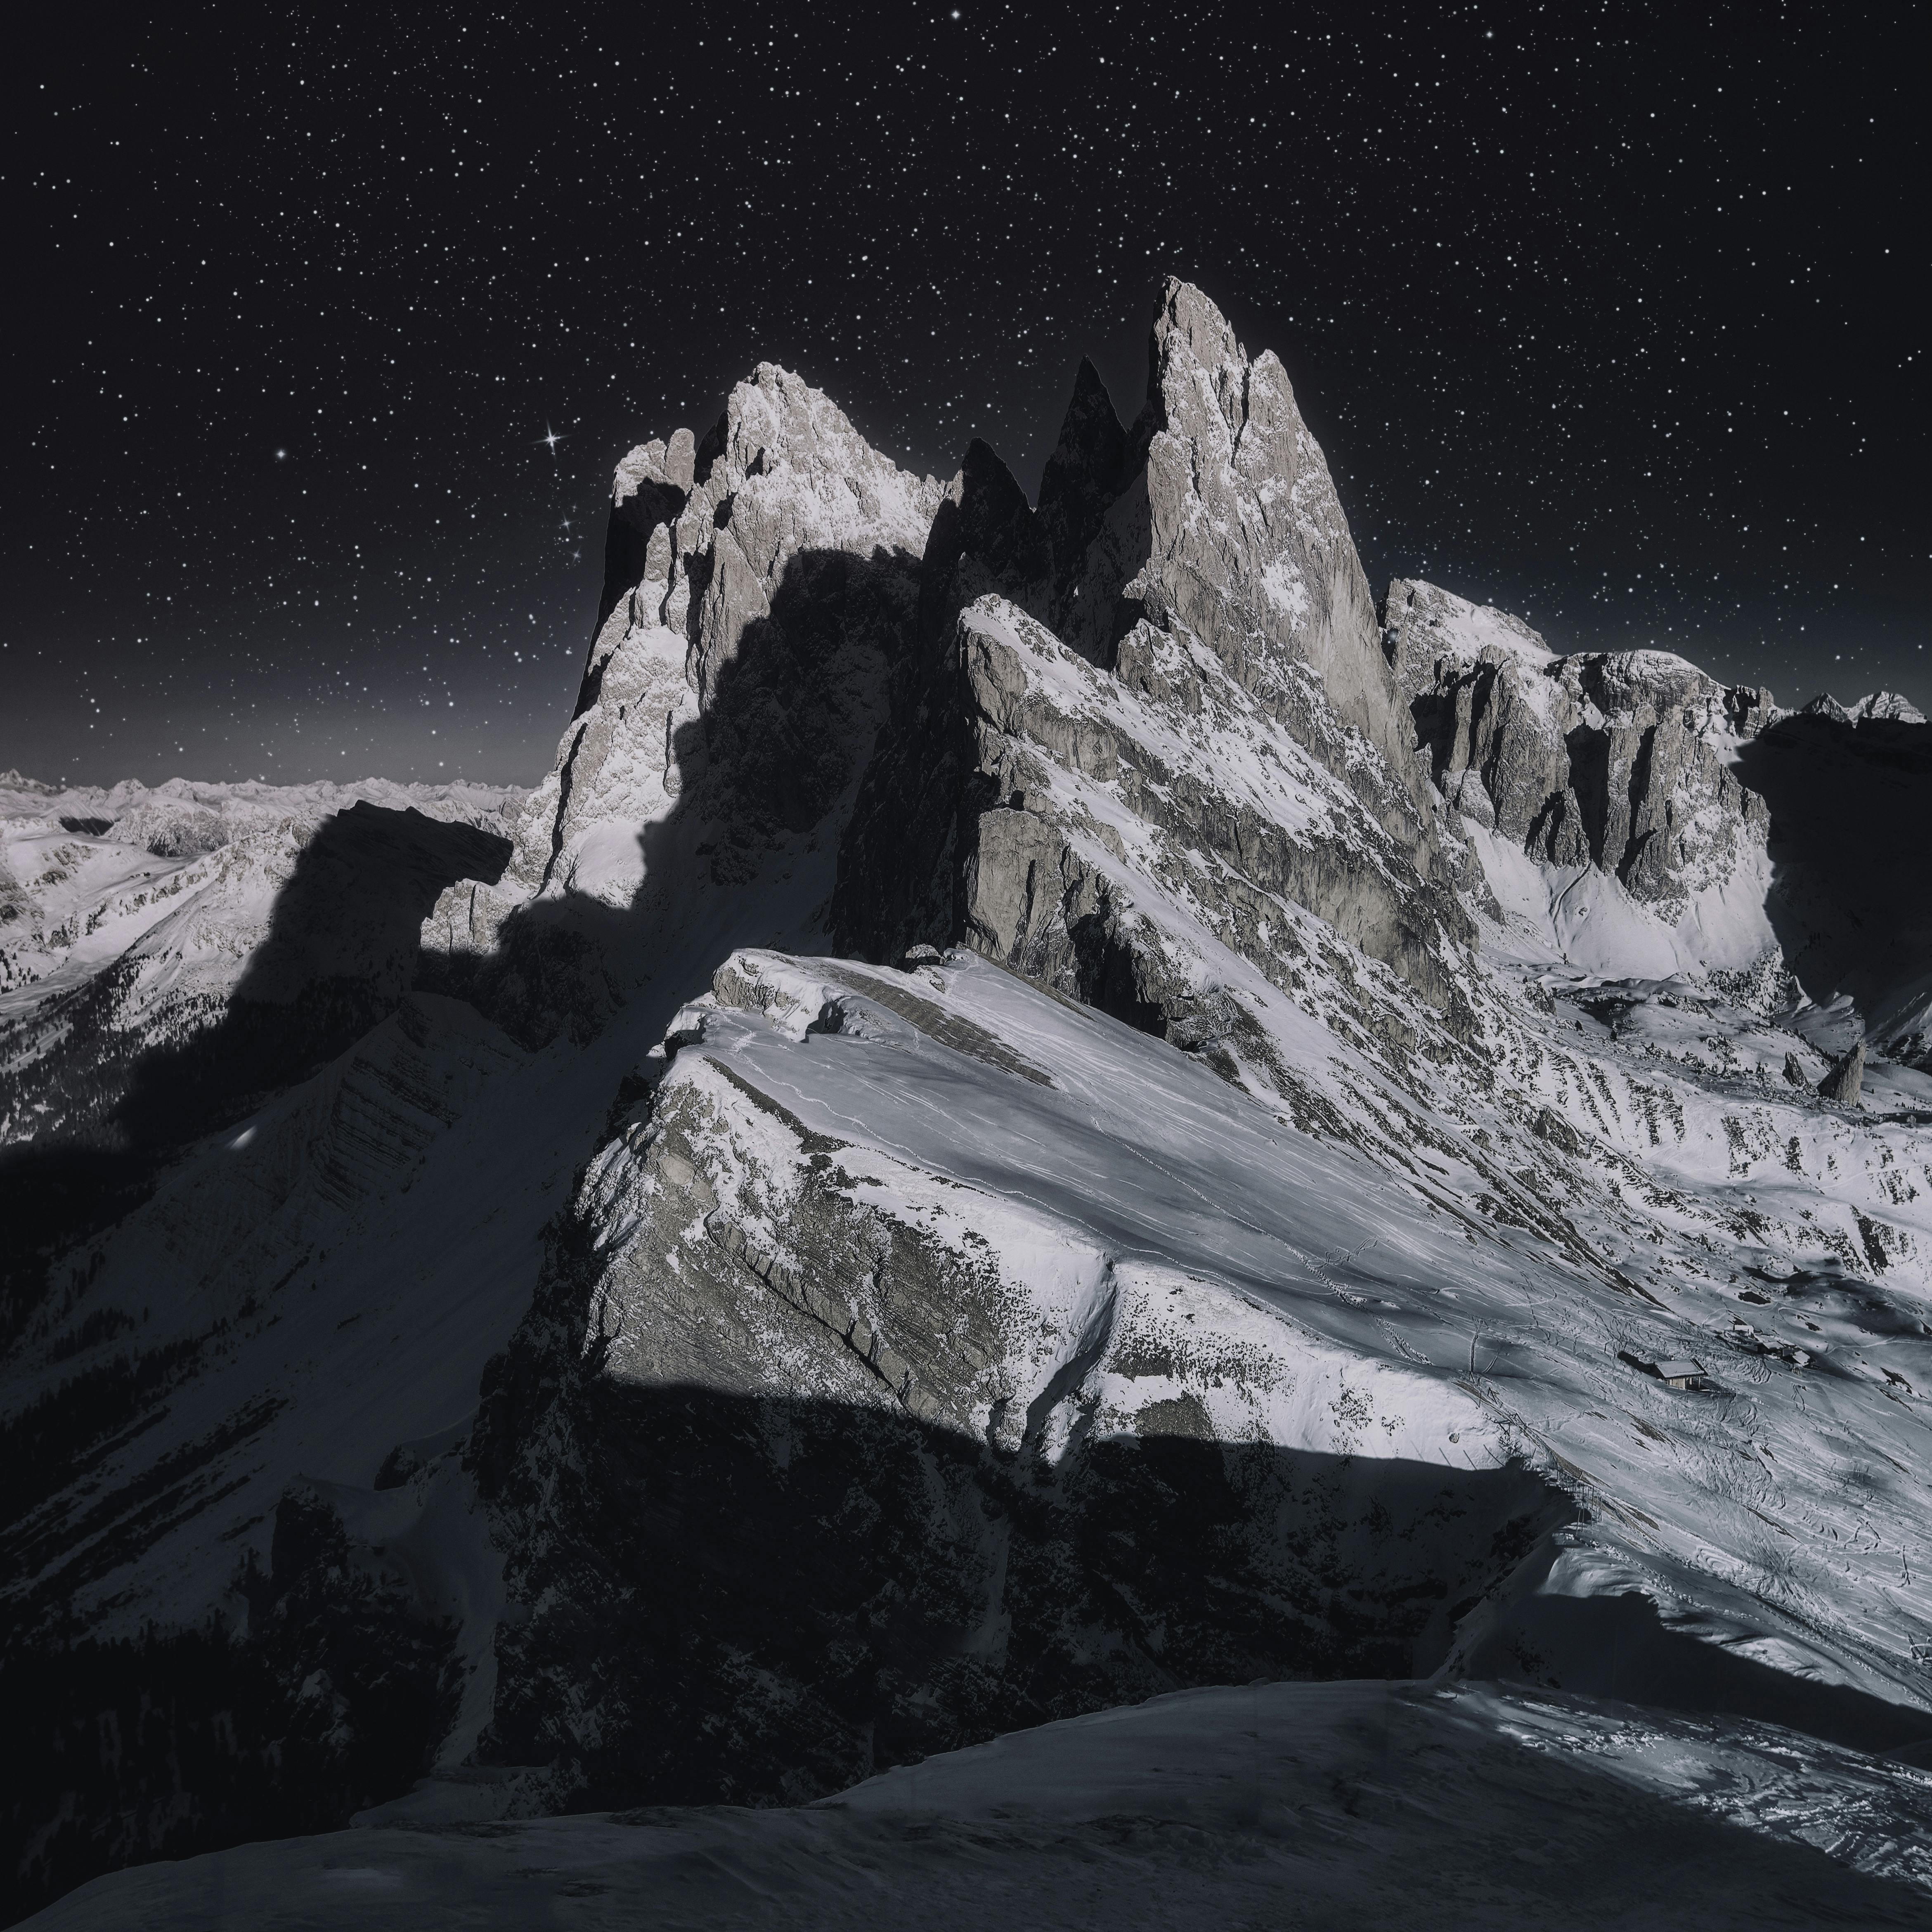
x=1078, y=826
x=760, y=586
x=1888, y=706
x=1621, y=759
x=1201, y=565
x=1227, y=525
x=1842, y=1085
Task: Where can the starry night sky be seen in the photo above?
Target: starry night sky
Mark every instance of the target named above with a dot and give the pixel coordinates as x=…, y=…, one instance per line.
x=1613, y=315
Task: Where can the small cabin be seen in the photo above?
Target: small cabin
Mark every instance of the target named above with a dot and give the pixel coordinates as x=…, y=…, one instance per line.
x=1681, y=1375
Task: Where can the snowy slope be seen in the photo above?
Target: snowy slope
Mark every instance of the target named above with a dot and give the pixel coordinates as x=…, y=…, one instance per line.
x=942, y=1193
x=1354, y=1805
x=130, y=916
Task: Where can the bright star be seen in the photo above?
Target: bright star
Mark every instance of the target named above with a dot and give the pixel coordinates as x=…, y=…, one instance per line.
x=550, y=440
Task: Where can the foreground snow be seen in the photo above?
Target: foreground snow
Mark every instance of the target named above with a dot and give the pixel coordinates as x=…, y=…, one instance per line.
x=1358, y=1804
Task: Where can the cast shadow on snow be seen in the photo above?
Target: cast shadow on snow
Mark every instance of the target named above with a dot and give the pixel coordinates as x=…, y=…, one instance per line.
x=341, y=950
x=762, y=1600
x=1850, y=895
x=343, y=946
x=774, y=1598
x=745, y=1600
x=788, y=727
x=1618, y=1647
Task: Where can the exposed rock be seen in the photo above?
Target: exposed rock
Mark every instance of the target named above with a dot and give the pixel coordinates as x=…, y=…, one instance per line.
x=1888, y=706
x=1084, y=475
x=1841, y=1086
x=1884, y=707
x=775, y=573
x=761, y=586
x=1623, y=761
x=172, y=831
x=917, y=1353
x=1078, y=826
x=1227, y=527
x=906, y=1458
x=1202, y=560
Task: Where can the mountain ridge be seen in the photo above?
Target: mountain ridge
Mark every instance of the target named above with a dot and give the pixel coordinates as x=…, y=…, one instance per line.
x=1112, y=1116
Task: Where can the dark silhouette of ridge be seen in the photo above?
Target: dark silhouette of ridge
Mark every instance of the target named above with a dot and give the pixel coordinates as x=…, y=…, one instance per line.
x=341, y=950
x=1851, y=805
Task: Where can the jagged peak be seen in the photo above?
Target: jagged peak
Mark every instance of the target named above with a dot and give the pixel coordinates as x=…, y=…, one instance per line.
x=773, y=419
x=992, y=512
x=1876, y=707
x=1888, y=705
x=1084, y=474
x=1186, y=320
x=1825, y=706
x=1092, y=440
x=1421, y=617
x=1200, y=379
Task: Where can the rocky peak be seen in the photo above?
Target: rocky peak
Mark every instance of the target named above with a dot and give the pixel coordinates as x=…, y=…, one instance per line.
x=1214, y=519
x=1844, y=1084
x=1875, y=707
x=760, y=584
x=1619, y=760
x=986, y=538
x=1084, y=475
x=1228, y=526
x=1889, y=706
x=1201, y=567
x=717, y=547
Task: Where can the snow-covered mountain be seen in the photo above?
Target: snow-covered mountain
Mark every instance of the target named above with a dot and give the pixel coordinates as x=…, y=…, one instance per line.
x=1047, y=1108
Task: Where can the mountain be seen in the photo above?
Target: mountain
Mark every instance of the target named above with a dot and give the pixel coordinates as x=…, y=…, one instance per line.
x=1048, y=1107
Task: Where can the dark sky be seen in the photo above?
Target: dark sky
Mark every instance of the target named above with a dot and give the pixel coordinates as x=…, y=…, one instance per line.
x=1615, y=315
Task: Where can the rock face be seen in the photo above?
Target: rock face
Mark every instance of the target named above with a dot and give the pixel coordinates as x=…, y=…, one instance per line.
x=1623, y=761
x=776, y=568
x=1886, y=706
x=1671, y=823
x=1227, y=528
x=991, y=1446
x=1842, y=1085
x=1084, y=826
x=759, y=587
x=1200, y=577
